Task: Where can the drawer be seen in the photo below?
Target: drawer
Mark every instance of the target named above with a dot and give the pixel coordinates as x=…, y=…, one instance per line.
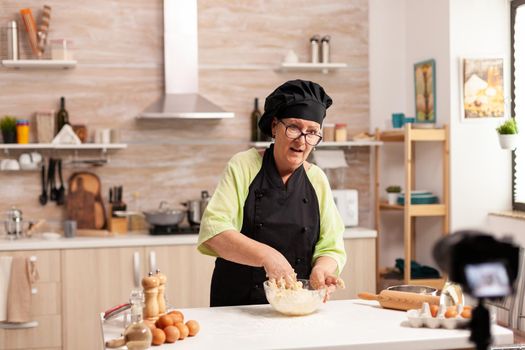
x=48, y=263
x=46, y=335
x=47, y=299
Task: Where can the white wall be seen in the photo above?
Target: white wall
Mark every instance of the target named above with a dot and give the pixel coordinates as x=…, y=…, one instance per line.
x=403, y=32
x=388, y=81
x=480, y=170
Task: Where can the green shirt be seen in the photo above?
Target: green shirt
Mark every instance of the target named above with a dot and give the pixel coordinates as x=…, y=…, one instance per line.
x=225, y=209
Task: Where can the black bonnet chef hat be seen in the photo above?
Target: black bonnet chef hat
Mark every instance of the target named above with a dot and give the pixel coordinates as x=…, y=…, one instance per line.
x=295, y=99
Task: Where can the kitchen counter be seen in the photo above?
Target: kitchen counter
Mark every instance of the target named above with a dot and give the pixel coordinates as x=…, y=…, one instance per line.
x=131, y=240
x=343, y=324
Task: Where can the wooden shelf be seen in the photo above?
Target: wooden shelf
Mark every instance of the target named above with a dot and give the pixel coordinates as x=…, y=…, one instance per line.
x=42, y=64
x=415, y=135
x=306, y=66
x=50, y=146
x=409, y=136
x=342, y=144
x=417, y=209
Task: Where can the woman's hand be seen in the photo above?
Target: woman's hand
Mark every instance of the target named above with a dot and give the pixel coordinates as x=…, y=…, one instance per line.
x=323, y=276
x=277, y=267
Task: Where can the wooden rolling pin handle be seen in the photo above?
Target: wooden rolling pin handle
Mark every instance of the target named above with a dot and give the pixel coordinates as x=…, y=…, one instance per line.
x=115, y=343
x=368, y=296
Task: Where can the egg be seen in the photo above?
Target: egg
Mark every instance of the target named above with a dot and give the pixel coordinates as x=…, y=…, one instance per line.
x=158, y=337
x=466, y=313
x=193, y=327
x=177, y=316
x=164, y=321
x=184, y=331
x=434, y=310
x=172, y=334
x=451, y=313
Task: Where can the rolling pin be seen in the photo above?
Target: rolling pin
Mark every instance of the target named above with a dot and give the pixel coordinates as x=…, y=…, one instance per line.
x=391, y=299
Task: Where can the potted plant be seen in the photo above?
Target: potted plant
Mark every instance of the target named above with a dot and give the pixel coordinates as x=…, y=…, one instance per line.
x=393, y=193
x=508, y=134
x=8, y=127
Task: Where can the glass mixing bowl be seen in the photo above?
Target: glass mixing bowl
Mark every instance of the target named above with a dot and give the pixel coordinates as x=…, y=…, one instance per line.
x=296, y=302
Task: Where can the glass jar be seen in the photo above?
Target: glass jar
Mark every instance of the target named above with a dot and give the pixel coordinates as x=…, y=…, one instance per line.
x=61, y=49
x=22, y=131
x=328, y=132
x=137, y=335
x=340, y=132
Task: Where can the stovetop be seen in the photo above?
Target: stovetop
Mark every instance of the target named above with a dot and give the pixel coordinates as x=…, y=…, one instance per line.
x=173, y=229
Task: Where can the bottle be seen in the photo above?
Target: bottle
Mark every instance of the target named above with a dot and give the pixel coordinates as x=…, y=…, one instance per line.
x=314, y=49
x=22, y=131
x=137, y=335
x=12, y=41
x=62, y=115
x=256, y=116
x=325, y=49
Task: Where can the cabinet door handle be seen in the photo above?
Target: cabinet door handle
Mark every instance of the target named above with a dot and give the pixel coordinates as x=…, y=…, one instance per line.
x=152, y=261
x=136, y=269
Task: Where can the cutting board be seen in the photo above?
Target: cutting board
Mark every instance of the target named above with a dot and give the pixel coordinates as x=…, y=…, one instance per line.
x=84, y=201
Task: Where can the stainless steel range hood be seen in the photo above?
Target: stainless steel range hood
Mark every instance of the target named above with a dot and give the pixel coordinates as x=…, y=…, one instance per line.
x=181, y=68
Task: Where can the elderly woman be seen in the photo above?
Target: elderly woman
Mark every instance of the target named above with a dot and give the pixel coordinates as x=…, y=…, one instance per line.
x=273, y=214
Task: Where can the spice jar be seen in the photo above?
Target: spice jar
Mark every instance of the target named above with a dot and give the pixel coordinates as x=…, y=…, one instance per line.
x=340, y=132
x=328, y=132
x=22, y=131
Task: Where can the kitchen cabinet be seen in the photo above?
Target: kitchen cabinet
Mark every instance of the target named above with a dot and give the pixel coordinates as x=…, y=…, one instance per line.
x=410, y=138
x=93, y=281
x=359, y=272
x=188, y=274
x=46, y=306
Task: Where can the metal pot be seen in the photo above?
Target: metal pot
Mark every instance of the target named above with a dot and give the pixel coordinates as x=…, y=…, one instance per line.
x=414, y=289
x=164, y=216
x=196, y=208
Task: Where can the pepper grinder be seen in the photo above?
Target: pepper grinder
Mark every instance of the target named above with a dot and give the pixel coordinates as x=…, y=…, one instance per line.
x=162, y=289
x=151, y=292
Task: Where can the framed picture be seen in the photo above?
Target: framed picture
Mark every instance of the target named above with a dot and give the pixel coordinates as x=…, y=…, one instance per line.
x=425, y=88
x=482, y=88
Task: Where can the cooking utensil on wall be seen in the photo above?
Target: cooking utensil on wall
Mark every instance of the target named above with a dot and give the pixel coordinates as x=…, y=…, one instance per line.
x=53, y=192
x=61, y=192
x=43, y=196
x=392, y=299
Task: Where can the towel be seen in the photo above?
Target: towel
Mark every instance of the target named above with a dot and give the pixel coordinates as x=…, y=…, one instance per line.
x=5, y=274
x=23, y=273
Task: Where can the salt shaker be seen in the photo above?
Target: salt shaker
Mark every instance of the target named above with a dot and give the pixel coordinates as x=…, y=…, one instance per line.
x=325, y=49
x=161, y=299
x=12, y=41
x=314, y=48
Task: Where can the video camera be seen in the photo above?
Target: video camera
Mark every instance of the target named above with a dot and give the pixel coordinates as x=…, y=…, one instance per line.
x=485, y=267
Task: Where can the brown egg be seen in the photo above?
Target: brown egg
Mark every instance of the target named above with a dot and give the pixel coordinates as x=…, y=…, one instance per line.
x=466, y=313
x=184, y=331
x=172, y=334
x=164, y=321
x=434, y=310
x=158, y=337
x=177, y=316
x=451, y=313
x=193, y=327
x=467, y=307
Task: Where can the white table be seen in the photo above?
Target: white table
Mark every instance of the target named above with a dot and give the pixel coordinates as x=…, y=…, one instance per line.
x=343, y=324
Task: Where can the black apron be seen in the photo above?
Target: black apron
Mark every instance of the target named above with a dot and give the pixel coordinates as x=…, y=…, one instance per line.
x=284, y=217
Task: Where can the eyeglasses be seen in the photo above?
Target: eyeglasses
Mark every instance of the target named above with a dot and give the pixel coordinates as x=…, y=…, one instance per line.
x=293, y=132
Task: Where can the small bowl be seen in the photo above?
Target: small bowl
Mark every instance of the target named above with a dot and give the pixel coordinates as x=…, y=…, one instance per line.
x=414, y=289
x=295, y=302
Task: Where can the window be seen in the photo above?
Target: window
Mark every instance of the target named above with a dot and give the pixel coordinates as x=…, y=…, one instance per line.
x=517, y=62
